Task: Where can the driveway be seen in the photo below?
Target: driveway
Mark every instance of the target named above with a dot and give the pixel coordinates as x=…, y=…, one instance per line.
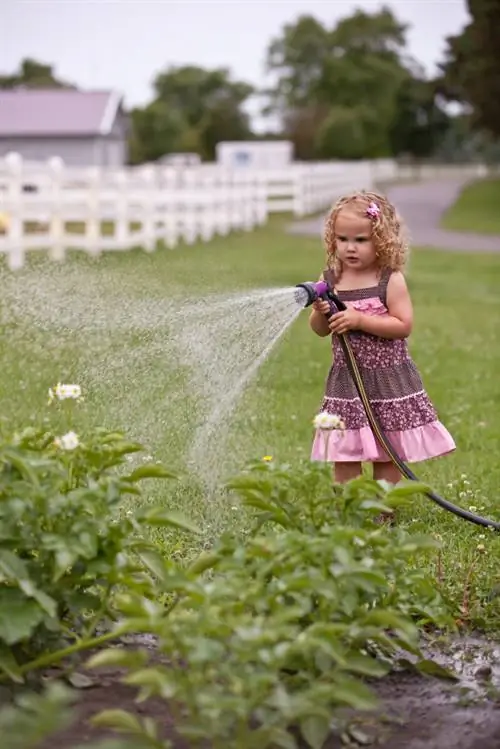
x=422, y=205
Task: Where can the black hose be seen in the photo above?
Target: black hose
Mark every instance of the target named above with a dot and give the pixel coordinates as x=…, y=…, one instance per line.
x=379, y=433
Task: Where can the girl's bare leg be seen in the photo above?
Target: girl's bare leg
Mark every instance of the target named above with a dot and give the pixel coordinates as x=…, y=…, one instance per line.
x=386, y=471
x=344, y=472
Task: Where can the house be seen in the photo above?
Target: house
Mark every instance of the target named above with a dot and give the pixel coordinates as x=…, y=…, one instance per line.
x=257, y=154
x=83, y=128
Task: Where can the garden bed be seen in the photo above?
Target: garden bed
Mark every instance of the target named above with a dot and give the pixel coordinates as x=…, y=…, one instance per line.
x=415, y=712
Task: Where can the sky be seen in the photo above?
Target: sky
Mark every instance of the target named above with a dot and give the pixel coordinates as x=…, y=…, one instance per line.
x=122, y=44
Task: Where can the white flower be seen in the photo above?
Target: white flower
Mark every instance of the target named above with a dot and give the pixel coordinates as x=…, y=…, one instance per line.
x=62, y=392
x=327, y=421
x=68, y=441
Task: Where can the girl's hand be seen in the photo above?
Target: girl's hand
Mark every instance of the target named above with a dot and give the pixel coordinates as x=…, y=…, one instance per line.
x=342, y=322
x=322, y=306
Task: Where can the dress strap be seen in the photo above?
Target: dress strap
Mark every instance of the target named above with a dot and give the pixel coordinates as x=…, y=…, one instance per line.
x=329, y=277
x=382, y=286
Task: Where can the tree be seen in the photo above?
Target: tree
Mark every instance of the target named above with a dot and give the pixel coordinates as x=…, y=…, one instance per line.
x=471, y=68
x=33, y=74
x=421, y=123
x=344, y=133
x=347, y=76
x=208, y=101
x=192, y=110
x=155, y=130
x=298, y=58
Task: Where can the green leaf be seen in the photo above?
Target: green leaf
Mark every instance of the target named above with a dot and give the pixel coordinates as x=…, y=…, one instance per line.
x=153, y=682
x=150, y=471
x=119, y=720
x=22, y=466
x=19, y=616
x=407, y=489
x=206, y=561
x=365, y=665
x=389, y=620
x=431, y=668
x=164, y=518
x=13, y=568
x=315, y=730
x=155, y=563
x=119, y=657
x=46, y=602
x=80, y=681
x=9, y=665
x=282, y=739
x=354, y=693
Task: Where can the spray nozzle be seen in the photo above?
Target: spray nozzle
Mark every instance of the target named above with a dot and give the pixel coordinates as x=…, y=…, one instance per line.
x=306, y=293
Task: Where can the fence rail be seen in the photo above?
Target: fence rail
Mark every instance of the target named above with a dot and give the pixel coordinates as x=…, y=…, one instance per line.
x=48, y=206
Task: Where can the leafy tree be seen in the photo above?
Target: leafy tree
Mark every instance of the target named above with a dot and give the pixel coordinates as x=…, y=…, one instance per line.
x=298, y=59
x=421, y=123
x=155, y=130
x=301, y=127
x=33, y=74
x=471, y=68
x=208, y=101
x=339, y=83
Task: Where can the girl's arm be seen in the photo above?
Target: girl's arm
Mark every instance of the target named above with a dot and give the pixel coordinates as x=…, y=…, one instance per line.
x=318, y=321
x=399, y=322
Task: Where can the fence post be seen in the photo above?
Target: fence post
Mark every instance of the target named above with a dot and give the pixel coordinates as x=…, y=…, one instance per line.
x=122, y=225
x=15, y=222
x=149, y=204
x=56, y=223
x=299, y=178
x=93, y=223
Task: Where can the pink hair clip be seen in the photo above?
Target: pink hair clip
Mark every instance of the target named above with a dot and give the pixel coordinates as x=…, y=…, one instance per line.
x=373, y=211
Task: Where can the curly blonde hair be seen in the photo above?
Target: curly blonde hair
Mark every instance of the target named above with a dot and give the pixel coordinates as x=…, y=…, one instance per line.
x=388, y=231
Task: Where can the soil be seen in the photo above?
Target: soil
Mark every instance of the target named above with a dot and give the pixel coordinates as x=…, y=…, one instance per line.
x=416, y=712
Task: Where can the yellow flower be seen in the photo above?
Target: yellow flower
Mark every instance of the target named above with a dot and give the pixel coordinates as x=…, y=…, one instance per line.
x=481, y=548
x=267, y=458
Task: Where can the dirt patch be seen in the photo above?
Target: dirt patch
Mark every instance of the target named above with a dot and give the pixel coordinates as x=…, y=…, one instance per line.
x=416, y=712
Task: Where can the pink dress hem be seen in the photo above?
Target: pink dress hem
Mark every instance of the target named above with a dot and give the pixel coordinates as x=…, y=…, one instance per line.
x=360, y=445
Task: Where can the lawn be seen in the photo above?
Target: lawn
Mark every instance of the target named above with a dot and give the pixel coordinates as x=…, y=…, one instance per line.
x=110, y=325
x=476, y=209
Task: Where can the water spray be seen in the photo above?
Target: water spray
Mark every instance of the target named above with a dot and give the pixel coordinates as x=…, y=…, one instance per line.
x=306, y=294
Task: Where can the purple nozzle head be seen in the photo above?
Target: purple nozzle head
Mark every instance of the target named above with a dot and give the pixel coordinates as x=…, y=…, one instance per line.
x=306, y=293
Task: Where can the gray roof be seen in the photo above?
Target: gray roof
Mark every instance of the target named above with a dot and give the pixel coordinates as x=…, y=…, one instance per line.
x=57, y=112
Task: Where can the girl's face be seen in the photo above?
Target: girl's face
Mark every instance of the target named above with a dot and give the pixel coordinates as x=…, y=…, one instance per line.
x=353, y=240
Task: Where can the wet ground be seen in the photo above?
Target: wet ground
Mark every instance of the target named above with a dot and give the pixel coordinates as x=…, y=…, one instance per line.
x=422, y=206
x=416, y=712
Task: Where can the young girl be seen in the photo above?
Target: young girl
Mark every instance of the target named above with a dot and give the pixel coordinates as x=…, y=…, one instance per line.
x=366, y=253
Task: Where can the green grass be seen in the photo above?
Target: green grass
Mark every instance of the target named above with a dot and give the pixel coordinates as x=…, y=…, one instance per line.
x=132, y=380
x=476, y=209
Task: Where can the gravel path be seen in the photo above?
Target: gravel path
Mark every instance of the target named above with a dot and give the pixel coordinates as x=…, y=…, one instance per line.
x=422, y=206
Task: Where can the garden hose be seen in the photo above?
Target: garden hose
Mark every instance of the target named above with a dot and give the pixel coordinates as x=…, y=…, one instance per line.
x=306, y=294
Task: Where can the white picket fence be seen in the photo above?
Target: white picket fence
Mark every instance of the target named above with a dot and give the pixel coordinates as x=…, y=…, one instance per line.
x=47, y=206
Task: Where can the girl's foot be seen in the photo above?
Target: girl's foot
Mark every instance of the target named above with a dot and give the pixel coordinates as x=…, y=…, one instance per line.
x=386, y=518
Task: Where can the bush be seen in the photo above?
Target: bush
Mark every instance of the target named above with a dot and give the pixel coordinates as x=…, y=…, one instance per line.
x=67, y=547
x=286, y=628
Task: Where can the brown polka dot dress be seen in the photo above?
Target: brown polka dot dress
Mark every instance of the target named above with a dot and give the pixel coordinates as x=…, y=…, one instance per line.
x=395, y=390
